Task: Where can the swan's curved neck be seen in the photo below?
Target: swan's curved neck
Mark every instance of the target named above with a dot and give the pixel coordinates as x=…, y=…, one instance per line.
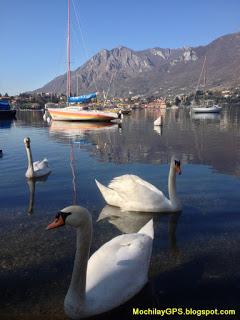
x=172, y=188
x=75, y=299
x=30, y=161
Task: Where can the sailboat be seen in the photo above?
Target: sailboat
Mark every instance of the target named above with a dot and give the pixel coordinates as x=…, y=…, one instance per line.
x=209, y=106
x=5, y=110
x=73, y=111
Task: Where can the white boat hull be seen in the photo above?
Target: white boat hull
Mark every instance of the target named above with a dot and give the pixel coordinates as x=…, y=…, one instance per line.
x=77, y=114
x=212, y=109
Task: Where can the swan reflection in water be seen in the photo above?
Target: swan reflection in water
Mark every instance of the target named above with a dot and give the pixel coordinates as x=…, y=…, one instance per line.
x=133, y=221
x=31, y=185
x=158, y=130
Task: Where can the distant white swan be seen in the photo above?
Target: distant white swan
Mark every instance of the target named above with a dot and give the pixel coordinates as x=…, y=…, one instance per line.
x=112, y=275
x=119, y=118
x=158, y=121
x=131, y=193
x=38, y=168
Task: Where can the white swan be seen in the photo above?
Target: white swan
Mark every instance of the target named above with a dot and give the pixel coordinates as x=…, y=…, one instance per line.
x=119, y=118
x=131, y=193
x=45, y=116
x=158, y=121
x=112, y=275
x=38, y=168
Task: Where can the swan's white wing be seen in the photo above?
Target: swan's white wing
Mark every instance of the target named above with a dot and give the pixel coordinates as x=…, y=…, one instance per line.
x=41, y=168
x=40, y=165
x=117, y=271
x=137, y=194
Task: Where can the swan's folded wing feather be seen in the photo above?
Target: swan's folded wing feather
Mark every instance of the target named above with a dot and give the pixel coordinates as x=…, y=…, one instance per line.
x=39, y=165
x=129, y=182
x=124, y=263
x=136, y=190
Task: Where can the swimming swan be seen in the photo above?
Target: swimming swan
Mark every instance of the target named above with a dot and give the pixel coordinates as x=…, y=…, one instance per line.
x=131, y=193
x=112, y=275
x=38, y=168
x=158, y=121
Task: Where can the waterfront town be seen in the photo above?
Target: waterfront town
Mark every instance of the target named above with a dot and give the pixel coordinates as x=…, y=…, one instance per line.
x=38, y=101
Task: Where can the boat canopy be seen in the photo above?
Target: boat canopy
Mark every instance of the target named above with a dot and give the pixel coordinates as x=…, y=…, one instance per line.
x=4, y=105
x=83, y=98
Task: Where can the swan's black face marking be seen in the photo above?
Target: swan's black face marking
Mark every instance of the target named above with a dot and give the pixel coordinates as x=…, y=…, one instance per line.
x=178, y=166
x=64, y=215
x=59, y=220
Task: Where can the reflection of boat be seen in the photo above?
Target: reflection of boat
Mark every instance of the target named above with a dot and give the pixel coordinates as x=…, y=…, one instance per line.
x=205, y=116
x=73, y=129
x=5, y=110
x=73, y=111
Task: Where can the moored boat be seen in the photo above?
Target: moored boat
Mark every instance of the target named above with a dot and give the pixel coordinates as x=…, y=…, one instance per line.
x=76, y=113
x=207, y=109
x=73, y=110
x=5, y=110
x=207, y=106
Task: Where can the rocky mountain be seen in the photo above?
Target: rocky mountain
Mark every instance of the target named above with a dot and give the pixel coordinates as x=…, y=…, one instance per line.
x=122, y=72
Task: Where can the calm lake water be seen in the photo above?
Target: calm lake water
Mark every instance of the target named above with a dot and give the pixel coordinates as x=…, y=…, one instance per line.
x=195, y=261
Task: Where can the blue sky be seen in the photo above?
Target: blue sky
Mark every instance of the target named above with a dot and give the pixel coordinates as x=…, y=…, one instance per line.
x=33, y=32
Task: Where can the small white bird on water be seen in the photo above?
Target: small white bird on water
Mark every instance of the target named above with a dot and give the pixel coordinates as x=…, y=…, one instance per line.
x=113, y=274
x=35, y=169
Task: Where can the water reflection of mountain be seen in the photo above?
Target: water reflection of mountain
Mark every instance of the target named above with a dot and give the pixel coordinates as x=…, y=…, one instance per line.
x=213, y=142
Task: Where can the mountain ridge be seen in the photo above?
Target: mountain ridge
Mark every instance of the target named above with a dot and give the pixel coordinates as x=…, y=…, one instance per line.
x=122, y=71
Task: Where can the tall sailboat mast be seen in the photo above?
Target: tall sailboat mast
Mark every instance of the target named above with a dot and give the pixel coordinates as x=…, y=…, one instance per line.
x=73, y=112
x=68, y=56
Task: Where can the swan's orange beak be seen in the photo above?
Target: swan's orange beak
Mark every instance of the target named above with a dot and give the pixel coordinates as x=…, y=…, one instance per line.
x=57, y=222
x=178, y=169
